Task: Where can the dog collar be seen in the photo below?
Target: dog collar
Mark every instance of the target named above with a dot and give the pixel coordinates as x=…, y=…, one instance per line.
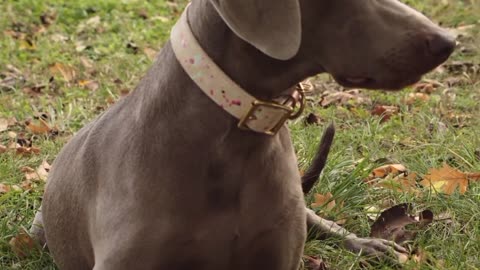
x=253, y=114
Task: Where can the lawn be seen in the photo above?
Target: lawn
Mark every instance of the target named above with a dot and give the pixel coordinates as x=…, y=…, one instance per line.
x=64, y=62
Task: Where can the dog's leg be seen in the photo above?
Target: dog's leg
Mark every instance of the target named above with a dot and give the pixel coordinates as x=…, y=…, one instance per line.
x=366, y=246
x=36, y=231
x=325, y=228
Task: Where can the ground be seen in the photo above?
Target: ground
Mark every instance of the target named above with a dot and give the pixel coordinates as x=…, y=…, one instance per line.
x=64, y=62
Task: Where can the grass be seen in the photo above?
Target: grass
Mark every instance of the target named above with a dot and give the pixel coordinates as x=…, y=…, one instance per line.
x=115, y=43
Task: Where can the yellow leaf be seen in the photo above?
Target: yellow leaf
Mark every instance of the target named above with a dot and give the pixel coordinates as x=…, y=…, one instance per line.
x=446, y=180
x=92, y=85
x=27, y=45
x=67, y=72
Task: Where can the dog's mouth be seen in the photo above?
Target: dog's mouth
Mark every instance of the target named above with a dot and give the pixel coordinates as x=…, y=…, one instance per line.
x=371, y=83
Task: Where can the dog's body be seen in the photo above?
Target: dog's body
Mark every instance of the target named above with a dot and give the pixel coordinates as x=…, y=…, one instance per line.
x=165, y=180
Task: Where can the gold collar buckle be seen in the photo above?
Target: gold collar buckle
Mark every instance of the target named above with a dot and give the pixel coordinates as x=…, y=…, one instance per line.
x=287, y=109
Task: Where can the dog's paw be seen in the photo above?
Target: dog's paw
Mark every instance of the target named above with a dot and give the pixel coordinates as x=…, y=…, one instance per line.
x=378, y=248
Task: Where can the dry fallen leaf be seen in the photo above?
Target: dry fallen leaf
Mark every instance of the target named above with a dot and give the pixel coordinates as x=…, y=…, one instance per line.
x=150, y=53
x=391, y=223
x=385, y=170
x=327, y=205
x=160, y=18
x=4, y=188
x=314, y=263
x=312, y=119
x=416, y=97
x=447, y=180
x=3, y=124
x=41, y=128
x=40, y=174
x=67, y=72
x=401, y=183
x=324, y=201
x=22, y=244
x=43, y=170
x=86, y=63
x=22, y=150
x=394, y=177
x=349, y=97
x=386, y=112
x=92, y=85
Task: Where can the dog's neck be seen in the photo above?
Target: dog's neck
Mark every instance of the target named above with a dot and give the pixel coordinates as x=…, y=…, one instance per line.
x=260, y=75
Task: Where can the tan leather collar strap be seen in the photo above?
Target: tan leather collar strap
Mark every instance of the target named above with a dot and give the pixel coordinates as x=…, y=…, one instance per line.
x=253, y=114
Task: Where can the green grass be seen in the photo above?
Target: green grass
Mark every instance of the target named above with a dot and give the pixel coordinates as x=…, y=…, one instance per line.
x=411, y=137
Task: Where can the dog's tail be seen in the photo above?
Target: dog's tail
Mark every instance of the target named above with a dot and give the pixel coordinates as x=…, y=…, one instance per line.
x=313, y=172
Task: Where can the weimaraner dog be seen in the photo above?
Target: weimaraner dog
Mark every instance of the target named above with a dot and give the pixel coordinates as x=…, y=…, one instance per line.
x=190, y=171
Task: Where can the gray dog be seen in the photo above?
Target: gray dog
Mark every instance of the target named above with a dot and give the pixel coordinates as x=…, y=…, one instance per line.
x=190, y=171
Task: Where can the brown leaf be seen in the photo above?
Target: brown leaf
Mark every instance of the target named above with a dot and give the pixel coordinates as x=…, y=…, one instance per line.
x=383, y=171
x=4, y=188
x=43, y=170
x=473, y=176
x=416, y=97
x=22, y=244
x=312, y=119
x=420, y=257
x=3, y=124
x=447, y=180
x=328, y=206
x=3, y=149
x=314, y=263
x=12, y=135
x=41, y=128
x=48, y=18
x=22, y=150
x=86, y=63
x=324, y=201
x=143, y=13
x=427, y=86
x=26, y=185
x=390, y=224
x=349, y=97
x=34, y=90
x=92, y=85
x=401, y=183
x=150, y=53
x=386, y=112
x=67, y=72
x=40, y=174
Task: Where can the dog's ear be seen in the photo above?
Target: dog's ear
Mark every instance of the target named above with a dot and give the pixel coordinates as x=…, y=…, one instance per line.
x=272, y=26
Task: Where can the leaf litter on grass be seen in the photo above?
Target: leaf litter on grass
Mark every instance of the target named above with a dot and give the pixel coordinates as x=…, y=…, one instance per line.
x=397, y=223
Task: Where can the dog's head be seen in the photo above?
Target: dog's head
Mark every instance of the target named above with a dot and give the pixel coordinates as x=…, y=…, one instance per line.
x=361, y=43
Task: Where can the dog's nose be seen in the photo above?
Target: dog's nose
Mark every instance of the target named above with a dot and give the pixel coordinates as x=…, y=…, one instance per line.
x=441, y=44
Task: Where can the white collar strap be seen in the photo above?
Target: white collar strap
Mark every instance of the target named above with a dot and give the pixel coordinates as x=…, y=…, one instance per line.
x=259, y=116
